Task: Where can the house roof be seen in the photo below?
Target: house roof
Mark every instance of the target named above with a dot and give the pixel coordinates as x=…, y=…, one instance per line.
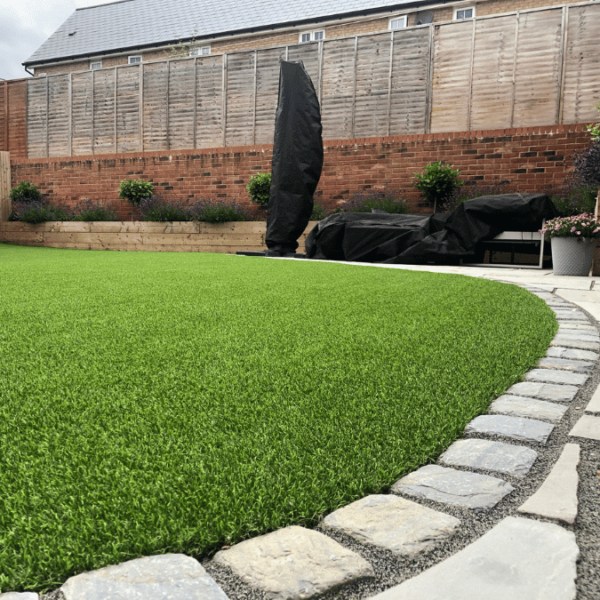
x=132, y=24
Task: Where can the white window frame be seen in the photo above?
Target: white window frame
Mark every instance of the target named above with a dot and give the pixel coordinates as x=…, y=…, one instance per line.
x=200, y=51
x=311, y=35
x=403, y=18
x=463, y=8
x=132, y=60
x=97, y=63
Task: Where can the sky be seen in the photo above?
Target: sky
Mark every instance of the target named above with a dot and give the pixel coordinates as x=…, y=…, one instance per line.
x=26, y=24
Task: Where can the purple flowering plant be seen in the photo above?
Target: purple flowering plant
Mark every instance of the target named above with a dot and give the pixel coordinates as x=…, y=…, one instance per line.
x=577, y=226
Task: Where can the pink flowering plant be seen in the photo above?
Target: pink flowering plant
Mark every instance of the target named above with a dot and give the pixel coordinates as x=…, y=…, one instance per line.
x=577, y=226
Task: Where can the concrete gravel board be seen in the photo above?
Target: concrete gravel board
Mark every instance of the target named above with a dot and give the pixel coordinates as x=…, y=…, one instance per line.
x=528, y=408
x=572, y=353
x=396, y=524
x=490, y=456
x=294, y=563
x=457, y=488
x=172, y=576
x=557, y=496
x=566, y=364
x=517, y=428
x=554, y=376
x=594, y=403
x=519, y=559
x=546, y=391
x=587, y=427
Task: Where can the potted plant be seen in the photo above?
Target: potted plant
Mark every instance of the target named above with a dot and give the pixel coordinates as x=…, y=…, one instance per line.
x=573, y=243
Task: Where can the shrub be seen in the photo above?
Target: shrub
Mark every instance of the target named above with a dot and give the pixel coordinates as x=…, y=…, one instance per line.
x=587, y=165
x=155, y=208
x=318, y=213
x=259, y=188
x=573, y=199
x=88, y=210
x=386, y=200
x=135, y=190
x=25, y=192
x=218, y=211
x=437, y=182
x=474, y=189
x=37, y=212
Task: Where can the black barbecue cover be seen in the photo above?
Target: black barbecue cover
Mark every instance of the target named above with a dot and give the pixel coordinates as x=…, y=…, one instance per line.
x=387, y=238
x=297, y=158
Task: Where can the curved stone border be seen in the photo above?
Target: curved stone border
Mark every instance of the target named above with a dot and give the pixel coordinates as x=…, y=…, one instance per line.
x=298, y=563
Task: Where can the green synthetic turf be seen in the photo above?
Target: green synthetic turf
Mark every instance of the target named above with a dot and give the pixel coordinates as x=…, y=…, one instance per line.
x=157, y=402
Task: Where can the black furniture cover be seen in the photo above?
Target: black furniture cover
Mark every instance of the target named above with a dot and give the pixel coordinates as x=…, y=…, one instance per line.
x=439, y=238
x=297, y=158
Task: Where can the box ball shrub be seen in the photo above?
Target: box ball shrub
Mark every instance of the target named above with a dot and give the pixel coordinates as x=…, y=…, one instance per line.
x=437, y=182
x=135, y=190
x=25, y=192
x=259, y=188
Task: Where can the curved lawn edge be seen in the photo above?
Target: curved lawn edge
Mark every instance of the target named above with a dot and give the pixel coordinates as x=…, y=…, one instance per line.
x=134, y=425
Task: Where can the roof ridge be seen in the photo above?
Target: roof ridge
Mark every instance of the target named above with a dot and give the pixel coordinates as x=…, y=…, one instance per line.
x=105, y=4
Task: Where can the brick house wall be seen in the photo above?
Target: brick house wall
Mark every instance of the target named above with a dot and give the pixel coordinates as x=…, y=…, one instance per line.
x=374, y=24
x=532, y=159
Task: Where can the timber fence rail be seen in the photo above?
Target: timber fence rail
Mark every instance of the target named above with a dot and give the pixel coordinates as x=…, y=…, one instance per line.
x=522, y=69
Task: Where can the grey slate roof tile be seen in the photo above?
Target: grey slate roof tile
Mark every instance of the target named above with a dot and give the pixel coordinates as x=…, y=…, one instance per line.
x=135, y=23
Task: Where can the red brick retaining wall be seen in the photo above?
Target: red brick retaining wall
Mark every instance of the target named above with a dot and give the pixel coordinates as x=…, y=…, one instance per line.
x=532, y=159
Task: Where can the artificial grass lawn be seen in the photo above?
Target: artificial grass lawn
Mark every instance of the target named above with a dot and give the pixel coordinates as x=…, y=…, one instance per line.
x=155, y=402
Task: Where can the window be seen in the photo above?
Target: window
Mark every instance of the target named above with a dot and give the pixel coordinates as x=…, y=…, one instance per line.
x=202, y=51
x=464, y=13
x=312, y=36
x=96, y=65
x=133, y=60
x=398, y=23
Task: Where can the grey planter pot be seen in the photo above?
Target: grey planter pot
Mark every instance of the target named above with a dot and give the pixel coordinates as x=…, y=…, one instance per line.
x=572, y=256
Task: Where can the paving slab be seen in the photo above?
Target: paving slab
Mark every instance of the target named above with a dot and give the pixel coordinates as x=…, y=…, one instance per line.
x=581, y=336
x=457, y=488
x=585, y=327
x=519, y=559
x=518, y=406
x=546, y=391
x=396, y=524
x=563, y=315
x=516, y=428
x=172, y=576
x=554, y=376
x=566, y=364
x=557, y=496
x=490, y=456
x=294, y=563
x=578, y=295
x=572, y=353
x=569, y=342
x=587, y=427
x=592, y=307
x=594, y=404
x=19, y=596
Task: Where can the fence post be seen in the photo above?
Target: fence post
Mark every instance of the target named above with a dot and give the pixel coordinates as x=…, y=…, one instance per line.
x=5, y=202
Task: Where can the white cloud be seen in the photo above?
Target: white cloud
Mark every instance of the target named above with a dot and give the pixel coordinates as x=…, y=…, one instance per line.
x=26, y=24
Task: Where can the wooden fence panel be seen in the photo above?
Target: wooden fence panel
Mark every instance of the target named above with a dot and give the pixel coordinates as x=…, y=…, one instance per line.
x=104, y=111
x=5, y=201
x=181, y=104
x=338, y=88
x=82, y=113
x=581, y=90
x=128, y=108
x=309, y=54
x=267, y=89
x=492, y=87
x=538, y=67
x=59, y=118
x=453, y=45
x=410, y=82
x=372, y=85
x=37, y=115
x=209, y=97
x=240, y=99
x=155, y=105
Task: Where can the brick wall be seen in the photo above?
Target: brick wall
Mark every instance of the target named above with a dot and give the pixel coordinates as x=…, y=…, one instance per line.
x=350, y=27
x=13, y=114
x=531, y=159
